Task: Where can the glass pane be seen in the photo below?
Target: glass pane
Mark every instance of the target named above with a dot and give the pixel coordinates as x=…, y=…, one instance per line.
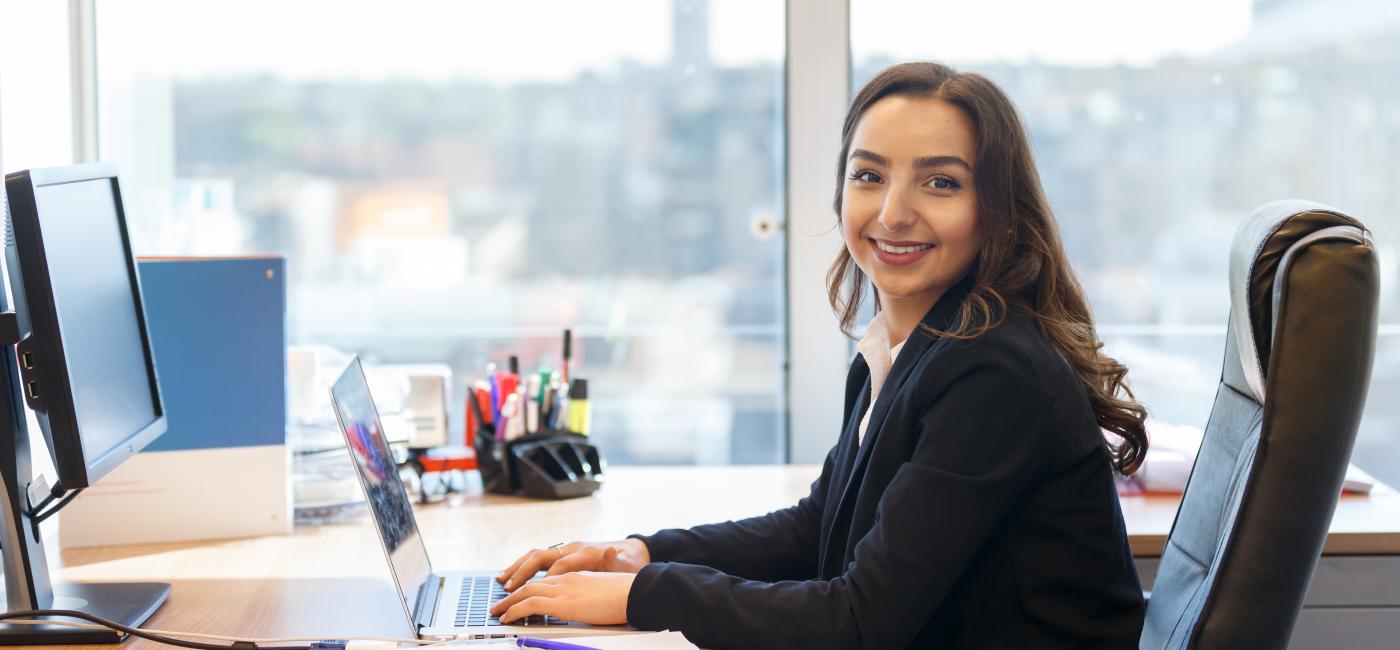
x=1157, y=127
x=35, y=94
x=458, y=182
x=35, y=117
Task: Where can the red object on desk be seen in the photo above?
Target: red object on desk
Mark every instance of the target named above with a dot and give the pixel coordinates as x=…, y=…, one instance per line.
x=464, y=462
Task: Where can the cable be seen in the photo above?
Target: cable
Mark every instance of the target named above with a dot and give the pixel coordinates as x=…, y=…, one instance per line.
x=40, y=517
x=166, y=636
x=40, y=505
x=104, y=623
x=54, y=493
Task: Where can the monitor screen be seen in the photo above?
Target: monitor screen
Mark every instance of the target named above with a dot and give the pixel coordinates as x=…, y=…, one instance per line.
x=88, y=264
x=88, y=369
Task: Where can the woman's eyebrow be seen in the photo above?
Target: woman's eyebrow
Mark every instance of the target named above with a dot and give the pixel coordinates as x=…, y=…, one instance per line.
x=941, y=161
x=871, y=156
x=924, y=162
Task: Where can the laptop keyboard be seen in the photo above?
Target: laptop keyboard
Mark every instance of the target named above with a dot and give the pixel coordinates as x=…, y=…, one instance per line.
x=479, y=593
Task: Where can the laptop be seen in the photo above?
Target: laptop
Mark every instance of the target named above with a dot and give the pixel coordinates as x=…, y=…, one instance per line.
x=437, y=604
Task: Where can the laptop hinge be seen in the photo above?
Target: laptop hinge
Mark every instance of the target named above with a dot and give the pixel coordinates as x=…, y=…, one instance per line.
x=426, y=606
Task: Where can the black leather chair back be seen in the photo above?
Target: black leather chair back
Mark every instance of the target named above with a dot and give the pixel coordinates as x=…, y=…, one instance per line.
x=1301, y=339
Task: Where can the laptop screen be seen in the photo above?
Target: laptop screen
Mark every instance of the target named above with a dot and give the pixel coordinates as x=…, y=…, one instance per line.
x=384, y=490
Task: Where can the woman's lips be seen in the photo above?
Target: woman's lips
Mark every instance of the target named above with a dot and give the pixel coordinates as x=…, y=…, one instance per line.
x=900, y=253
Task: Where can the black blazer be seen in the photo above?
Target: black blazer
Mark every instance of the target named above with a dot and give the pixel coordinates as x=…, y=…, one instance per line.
x=979, y=512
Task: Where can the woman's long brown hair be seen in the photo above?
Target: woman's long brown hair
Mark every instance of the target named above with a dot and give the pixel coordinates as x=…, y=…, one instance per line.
x=1022, y=264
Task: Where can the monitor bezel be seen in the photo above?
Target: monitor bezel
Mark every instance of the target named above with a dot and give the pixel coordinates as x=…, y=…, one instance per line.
x=37, y=314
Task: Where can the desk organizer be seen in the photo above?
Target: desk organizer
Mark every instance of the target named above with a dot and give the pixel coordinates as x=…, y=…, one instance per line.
x=544, y=465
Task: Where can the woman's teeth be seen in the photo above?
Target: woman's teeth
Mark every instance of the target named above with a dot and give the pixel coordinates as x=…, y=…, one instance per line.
x=900, y=250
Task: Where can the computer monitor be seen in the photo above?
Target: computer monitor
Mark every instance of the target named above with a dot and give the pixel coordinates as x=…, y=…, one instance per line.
x=76, y=350
x=85, y=356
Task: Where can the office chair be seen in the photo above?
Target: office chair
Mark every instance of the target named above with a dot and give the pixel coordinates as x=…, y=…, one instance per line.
x=1298, y=354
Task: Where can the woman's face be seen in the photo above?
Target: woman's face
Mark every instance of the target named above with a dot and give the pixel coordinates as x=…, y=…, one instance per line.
x=909, y=208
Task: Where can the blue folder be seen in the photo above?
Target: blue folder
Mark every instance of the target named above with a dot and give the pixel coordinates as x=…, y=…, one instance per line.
x=218, y=326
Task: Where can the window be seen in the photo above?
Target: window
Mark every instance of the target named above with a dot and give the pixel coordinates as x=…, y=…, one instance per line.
x=1157, y=127
x=35, y=92
x=460, y=181
x=35, y=118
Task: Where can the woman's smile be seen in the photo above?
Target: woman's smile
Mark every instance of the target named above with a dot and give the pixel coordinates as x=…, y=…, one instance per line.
x=899, y=253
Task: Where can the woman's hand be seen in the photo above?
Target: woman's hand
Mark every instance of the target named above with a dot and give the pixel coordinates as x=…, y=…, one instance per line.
x=581, y=597
x=625, y=556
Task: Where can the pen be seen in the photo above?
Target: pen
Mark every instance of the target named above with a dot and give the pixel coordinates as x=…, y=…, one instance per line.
x=527, y=642
x=512, y=419
x=568, y=353
x=532, y=405
x=494, y=390
x=509, y=384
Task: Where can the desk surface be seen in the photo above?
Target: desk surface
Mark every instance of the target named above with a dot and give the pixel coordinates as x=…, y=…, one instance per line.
x=330, y=581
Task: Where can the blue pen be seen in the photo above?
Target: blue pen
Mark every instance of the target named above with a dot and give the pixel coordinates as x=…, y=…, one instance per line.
x=495, y=394
x=527, y=642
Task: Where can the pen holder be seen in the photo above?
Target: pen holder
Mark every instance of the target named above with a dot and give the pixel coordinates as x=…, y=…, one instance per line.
x=545, y=465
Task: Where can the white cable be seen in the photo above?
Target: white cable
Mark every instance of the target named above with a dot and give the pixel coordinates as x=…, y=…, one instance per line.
x=422, y=643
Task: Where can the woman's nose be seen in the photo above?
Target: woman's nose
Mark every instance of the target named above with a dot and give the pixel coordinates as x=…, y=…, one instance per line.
x=897, y=213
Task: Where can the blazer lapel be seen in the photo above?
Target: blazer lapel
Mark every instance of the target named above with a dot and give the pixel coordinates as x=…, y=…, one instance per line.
x=911, y=355
x=940, y=316
x=857, y=396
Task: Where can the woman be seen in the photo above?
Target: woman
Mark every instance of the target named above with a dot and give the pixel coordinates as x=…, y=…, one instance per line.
x=969, y=501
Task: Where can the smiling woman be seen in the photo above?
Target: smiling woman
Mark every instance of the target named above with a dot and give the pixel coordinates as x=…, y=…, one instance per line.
x=969, y=501
x=996, y=217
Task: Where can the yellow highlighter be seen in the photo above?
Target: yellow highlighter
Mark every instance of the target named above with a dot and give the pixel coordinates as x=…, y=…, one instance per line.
x=579, y=419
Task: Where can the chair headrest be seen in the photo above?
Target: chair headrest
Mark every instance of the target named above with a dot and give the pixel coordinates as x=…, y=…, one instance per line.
x=1260, y=256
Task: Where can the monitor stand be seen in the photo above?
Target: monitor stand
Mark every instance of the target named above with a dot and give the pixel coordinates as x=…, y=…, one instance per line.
x=27, y=585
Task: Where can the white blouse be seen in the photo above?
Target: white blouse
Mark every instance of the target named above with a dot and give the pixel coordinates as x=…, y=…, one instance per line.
x=875, y=347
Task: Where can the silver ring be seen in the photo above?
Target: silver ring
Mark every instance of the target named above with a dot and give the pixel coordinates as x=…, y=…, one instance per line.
x=558, y=550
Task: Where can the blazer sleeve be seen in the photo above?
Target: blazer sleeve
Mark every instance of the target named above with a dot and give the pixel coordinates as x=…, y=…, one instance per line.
x=781, y=545
x=977, y=452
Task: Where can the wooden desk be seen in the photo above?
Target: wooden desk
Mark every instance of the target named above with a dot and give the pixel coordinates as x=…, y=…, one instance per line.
x=333, y=581
x=1362, y=525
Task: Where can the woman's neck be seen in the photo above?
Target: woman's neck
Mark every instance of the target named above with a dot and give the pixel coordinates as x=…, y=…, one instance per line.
x=902, y=315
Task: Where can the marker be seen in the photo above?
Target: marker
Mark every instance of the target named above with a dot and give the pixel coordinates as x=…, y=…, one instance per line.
x=514, y=418
x=527, y=642
x=568, y=353
x=509, y=383
x=532, y=404
x=578, y=407
x=494, y=389
x=561, y=409
x=476, y=417
x=537, y=389
x=532, y=417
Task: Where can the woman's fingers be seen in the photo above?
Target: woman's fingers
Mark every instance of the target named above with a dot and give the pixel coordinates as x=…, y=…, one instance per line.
x=609, y=561
x=532, y=563
x=528, y=607
x=530, y=556
x=585, y=597
x=584, y=559
x=510, y=570
x=537, y=589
